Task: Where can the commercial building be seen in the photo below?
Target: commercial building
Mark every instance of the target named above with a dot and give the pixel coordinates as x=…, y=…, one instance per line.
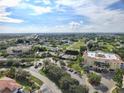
x=17, y=50
x=103, y=60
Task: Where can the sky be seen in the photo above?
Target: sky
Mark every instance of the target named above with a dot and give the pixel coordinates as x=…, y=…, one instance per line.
x=61, y=16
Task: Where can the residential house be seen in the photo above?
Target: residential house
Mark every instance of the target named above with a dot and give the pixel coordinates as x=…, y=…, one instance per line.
x=8, y=85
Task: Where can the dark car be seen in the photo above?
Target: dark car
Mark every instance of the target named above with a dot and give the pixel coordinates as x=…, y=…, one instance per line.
x=104, y=70
x=75, y=72
x=70, y=70
x=36, y=66
x=40, y=64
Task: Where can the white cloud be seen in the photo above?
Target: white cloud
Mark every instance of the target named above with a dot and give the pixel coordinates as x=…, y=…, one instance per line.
x=4, y=15
x=71, y=3
x=10, y=20
x=100, y=18
x=47, y=2
x=41, y=10
x=37, y=10
x=9, y=3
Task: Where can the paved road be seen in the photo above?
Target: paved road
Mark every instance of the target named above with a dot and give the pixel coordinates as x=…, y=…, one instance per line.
x=44, y=89
x=45, y=80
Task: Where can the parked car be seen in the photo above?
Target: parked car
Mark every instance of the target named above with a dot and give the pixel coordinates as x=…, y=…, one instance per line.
x=40, y=64
x=75, y=72
x=70, y=70
x=36, y=66
x=104, y=70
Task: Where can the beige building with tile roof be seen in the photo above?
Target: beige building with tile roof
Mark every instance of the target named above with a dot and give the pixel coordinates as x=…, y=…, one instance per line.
x=101, y=59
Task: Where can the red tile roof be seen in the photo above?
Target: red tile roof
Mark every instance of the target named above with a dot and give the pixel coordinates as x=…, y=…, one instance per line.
x=7, y=83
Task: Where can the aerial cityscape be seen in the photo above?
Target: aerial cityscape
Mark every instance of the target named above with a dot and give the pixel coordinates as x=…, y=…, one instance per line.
x=61, y=63
x=61, y=46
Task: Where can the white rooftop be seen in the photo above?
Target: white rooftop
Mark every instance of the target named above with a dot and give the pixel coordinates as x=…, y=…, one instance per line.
x=103, y=55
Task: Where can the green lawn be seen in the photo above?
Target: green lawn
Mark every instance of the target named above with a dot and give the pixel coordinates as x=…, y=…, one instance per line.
x=64, y=47
x=76, y=45
x=77, y=68
x=109, y=47
x=39, y=82
x=26, y=89
x=42, y=73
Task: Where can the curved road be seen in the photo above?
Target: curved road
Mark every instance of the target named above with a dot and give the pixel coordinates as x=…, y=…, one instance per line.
x=45, y=80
